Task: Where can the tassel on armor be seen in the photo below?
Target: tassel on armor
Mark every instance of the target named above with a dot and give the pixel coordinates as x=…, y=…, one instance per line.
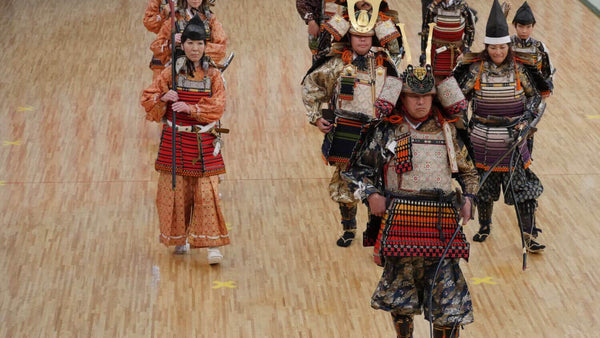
x=484, y=209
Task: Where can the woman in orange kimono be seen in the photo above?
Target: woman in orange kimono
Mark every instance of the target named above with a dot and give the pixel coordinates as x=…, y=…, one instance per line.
x=157, y=12
x=216, y=39
x=190, y=214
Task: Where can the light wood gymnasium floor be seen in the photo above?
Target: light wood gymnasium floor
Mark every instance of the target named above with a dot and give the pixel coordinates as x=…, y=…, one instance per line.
x=79, y=254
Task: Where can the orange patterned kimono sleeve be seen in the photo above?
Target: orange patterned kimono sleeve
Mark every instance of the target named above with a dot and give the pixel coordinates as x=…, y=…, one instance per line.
x=161, y=47
x=153, y=19
x=210, y=109
x=217, y=46
x=150, y=100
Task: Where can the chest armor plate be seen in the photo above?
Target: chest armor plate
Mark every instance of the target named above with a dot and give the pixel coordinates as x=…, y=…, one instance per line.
x=448, y=16
x=498, y=87
x=430, y=165
x=366, y=88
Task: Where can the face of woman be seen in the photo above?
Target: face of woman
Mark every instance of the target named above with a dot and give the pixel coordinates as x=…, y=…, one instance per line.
x=194, y=3
x=193, y=49
x=498, y=53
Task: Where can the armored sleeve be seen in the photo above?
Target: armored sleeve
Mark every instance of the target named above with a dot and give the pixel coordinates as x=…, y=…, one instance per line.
x=467, y=173
x=547, y=67
x=533, y=96
x=469, y=34
x=365, y=168
x=429, y=17
x=318, y=87
x=309, y=9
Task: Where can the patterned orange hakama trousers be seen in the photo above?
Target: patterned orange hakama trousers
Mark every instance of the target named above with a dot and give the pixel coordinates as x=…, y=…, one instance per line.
x=191, y=212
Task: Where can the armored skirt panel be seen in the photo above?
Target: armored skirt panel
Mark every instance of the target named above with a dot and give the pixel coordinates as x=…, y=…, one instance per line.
x=338, y=145
x=447, y=41
x=490, y=143
x=416, y=226
x=419, y=223
x=498, y=98
x=193, y=151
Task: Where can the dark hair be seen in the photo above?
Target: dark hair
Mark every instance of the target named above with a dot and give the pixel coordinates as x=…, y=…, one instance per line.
x=183, y=4
x=485, y=56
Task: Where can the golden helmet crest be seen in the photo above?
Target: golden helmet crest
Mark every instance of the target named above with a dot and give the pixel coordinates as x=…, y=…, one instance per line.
x=362, y=23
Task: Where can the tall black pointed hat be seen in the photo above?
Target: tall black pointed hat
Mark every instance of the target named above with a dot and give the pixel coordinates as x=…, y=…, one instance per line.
x=194, y=30
x=524, y=15
x=496, y=30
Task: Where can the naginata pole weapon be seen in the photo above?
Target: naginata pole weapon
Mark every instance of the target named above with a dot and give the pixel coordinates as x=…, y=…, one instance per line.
x=174, y=87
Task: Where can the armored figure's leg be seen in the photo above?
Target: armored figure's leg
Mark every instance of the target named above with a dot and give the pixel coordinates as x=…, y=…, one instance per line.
x=445, y=331
x=404, y=325
x=484, y=209
x=372, y=231
x=530, y=231
x=348, y=212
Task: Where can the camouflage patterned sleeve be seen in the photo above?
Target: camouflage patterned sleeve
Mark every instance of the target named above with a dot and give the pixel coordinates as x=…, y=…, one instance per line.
x=547, y=67
x=318, y=87
x=309, y=9
x=364, y=171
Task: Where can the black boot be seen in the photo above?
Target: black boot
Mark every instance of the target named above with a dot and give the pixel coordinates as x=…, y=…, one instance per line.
x=372, y=231
x=445, y=331
x=348, y=236
x=403, y=325
x=484, y=209
x=530, y=231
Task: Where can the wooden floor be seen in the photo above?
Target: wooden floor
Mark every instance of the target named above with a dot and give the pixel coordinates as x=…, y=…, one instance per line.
x=79, y=254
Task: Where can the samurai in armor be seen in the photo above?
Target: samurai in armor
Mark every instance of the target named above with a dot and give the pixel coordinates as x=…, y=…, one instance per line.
x=216, y=43
x=403, y=171
x=356, y=83
x=157, y=12
x=504, y=101
x=190, y=214
x=538, y=53
x=453, y=34
x=322, y=18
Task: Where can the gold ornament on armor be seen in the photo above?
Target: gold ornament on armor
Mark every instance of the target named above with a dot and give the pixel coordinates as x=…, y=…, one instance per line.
x=363, y=24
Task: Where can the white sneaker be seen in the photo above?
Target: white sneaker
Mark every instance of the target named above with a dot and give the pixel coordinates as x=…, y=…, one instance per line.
x=214, y=256
x=181, y=249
